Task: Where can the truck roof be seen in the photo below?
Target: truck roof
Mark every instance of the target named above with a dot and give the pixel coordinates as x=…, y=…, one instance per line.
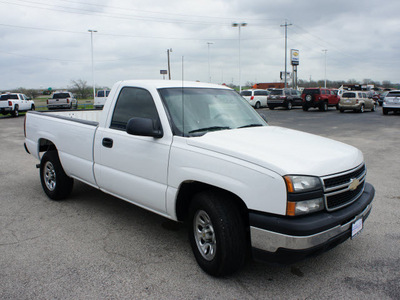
x=170, y=84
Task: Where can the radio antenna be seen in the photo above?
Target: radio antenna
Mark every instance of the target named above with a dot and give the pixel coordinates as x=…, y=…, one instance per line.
x=183, y=100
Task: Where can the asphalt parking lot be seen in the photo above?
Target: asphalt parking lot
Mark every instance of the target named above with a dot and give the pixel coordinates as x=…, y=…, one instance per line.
x=94, y=246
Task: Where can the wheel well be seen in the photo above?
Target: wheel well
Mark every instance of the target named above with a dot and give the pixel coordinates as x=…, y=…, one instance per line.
x=189, y=189
x=46, y=145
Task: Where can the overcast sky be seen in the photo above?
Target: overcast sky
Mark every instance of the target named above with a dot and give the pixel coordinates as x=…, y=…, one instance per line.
x=46, y=43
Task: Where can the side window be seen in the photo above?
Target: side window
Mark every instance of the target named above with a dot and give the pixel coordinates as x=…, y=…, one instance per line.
x=322, y=92
x=133, y=102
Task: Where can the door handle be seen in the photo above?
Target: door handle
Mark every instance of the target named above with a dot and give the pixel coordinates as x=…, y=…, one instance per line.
x=107, y=142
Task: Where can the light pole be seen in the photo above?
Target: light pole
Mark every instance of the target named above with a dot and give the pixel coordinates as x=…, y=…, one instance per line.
x=240, y=71
x=91, y=43
x=209, y=72
x=169, y=66
x=286, y=26
x=325, y=50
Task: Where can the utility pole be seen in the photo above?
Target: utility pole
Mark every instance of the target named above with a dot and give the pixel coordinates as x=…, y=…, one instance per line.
x=240, y=71
x=286, y=26
x=325, y=50
x=169, y=66
x=209, y=72
x=91, y=43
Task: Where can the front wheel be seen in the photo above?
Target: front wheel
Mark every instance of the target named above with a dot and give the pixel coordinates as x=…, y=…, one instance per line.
x=289, y=105
x=216, y=233
x=362, y=109
x=323, y=107
x=56, y=184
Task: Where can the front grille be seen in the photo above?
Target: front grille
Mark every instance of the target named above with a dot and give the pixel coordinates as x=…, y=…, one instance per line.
x=342, y=179
x=340, y=189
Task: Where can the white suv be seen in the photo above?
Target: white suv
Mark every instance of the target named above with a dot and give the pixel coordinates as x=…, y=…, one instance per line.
x=391, y=102
x=257, y=98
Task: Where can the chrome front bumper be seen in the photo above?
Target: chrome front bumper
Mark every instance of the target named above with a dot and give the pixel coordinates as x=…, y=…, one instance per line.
x=271, y=241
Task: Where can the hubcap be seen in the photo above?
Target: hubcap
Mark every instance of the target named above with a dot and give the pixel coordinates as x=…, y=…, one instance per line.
x=49, y=176
x=204, y=235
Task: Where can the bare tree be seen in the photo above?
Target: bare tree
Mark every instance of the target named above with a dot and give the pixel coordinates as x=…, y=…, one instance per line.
x=80, y=88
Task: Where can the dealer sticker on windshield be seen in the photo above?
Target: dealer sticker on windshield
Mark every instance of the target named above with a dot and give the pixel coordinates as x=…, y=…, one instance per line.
x=356, y=228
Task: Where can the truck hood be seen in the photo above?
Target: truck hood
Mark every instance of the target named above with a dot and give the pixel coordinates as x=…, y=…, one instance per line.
x=284, y=151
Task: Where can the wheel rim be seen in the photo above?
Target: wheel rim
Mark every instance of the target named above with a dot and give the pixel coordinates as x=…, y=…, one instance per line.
x=204, y=235
x=49, y=176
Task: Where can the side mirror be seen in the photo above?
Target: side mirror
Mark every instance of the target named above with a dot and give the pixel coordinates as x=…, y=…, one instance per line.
x=143, y=127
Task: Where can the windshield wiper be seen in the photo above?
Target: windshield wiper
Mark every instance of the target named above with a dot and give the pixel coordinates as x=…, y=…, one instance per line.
x=251, y=125
x=212, y=128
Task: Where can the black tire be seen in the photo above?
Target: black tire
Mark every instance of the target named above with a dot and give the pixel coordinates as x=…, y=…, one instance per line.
x=56, y=184
x=385, y=111
x=33, y=107
x=258, y=105
x=289, y=105
x=216, y=233
x=323, y=106
x=337, y=106
x=15, y=112
x=362, y=109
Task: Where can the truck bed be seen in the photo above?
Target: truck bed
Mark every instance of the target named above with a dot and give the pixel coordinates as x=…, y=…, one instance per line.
x=73, y=134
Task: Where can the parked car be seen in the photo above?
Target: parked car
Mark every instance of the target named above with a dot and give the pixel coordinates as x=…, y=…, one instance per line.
x=283, y=98
x=210, y=161
x=391, y=102
x=357, y=101
x=13, y=103
x=100, y=99
x=62, y=100
x=321, y=98
x=256, y=98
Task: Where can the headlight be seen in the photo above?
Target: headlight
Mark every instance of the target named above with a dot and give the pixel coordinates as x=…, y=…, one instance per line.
x=299, y=184
x=304, y=207
x=305, y=195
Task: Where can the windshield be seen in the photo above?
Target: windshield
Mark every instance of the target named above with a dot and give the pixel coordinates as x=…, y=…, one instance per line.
x=276, y=92
x=8, y=96
x=393, y=94
x=207, y=109
x=349, y=95
x=61, y=96
x=245, y=93
x=311, y=91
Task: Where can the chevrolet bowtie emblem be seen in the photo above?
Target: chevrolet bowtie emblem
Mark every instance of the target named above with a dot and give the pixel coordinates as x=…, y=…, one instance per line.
x=354, y=183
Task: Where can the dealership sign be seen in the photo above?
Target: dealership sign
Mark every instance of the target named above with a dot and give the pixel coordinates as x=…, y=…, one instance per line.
x=295, y=57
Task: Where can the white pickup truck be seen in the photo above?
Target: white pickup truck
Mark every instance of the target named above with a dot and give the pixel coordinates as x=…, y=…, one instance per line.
x=198, y=153
x=13, y=103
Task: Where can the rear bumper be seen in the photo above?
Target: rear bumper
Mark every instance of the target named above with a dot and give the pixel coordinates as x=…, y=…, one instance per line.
x=285, y=240
x=6, y=109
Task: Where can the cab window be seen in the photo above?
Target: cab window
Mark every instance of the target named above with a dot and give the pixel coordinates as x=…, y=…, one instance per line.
x=131, y=103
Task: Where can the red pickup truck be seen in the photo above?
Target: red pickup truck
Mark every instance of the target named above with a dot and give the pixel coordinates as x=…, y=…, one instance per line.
x=321, y=98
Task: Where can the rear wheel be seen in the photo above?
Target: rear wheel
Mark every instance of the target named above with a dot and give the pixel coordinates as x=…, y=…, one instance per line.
x=258, y=105
x=323, y=106
x=362, y=109
x=15, y=112
x=56, y=184
x=373, y=107
x=216, y=233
